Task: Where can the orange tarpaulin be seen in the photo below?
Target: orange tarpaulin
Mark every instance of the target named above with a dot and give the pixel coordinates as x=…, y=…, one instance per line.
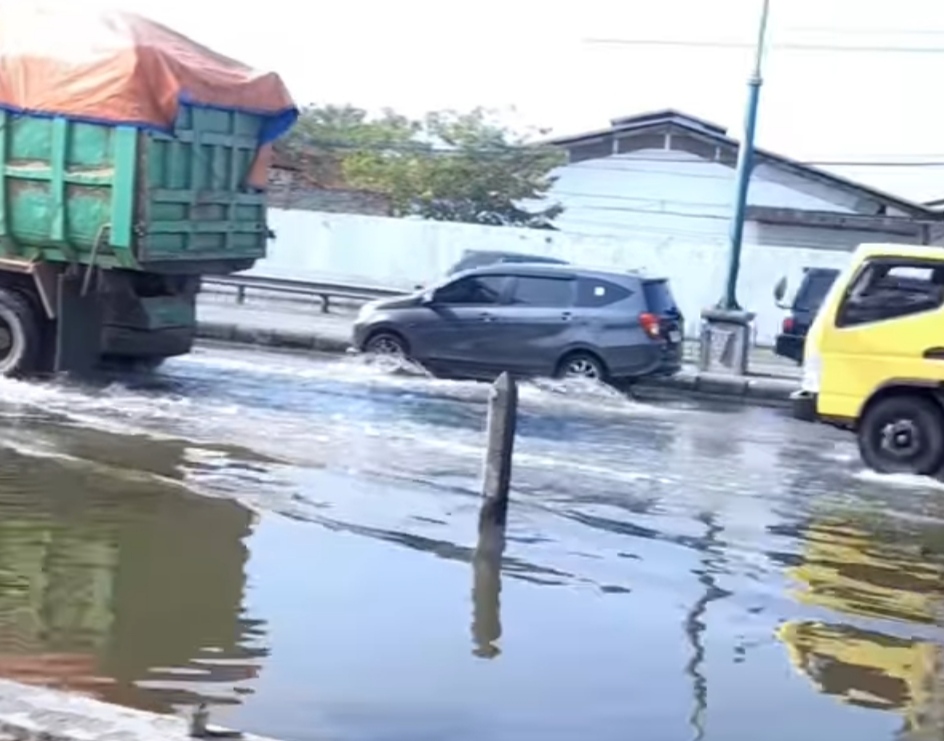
x=117, y=67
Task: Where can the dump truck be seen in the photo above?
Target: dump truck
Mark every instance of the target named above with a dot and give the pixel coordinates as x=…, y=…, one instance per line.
x=132, y=162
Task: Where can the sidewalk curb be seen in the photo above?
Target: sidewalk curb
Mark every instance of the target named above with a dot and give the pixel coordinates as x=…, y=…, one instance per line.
x=757, y=390
x=278, y=338
x=30, y=713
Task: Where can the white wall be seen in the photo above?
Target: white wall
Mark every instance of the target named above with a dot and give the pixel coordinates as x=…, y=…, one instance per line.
x=672, y=193
x=401, y=253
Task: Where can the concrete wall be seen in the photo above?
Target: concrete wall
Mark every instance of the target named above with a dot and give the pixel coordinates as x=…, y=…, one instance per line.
x=403, y=252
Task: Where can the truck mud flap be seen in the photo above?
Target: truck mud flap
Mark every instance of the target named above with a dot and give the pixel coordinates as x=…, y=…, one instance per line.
x=78, y=329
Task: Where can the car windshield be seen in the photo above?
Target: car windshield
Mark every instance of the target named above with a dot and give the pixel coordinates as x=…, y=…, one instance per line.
x=659, y=297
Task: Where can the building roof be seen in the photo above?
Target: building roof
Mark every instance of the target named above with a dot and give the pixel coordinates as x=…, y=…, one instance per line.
x=706, y=130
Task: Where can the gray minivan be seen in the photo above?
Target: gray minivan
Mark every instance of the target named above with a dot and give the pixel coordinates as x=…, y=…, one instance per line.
x=532, y=320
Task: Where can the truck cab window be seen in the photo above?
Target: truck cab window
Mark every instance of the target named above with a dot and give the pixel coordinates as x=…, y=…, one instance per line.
x=888, y=290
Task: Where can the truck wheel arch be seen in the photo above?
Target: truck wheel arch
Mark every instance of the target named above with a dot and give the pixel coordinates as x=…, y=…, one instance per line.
x=923, y=387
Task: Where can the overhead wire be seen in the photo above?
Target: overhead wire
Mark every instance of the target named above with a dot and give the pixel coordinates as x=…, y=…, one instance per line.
x=863, y=31
x=790, y=46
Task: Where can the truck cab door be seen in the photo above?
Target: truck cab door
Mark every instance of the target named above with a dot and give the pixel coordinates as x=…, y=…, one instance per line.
x=889, y=325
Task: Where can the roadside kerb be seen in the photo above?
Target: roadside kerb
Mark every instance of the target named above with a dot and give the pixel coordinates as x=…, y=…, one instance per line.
x=275, y=338
x=754, y=389
x=29, y=713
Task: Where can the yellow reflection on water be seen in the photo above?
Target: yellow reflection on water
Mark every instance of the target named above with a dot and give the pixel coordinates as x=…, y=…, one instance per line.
x=869, y=574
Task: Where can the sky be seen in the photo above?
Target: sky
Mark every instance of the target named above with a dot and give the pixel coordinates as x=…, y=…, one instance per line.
x=538, y=64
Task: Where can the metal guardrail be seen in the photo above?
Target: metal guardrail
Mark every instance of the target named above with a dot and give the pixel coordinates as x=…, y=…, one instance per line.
x=323, y=292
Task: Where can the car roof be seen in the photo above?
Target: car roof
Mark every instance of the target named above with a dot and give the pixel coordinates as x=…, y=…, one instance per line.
x=550, y=270
x=499, y=254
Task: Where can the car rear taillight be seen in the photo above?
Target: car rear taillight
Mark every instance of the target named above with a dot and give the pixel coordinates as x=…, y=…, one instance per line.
x=650, y=325
x=788, y=325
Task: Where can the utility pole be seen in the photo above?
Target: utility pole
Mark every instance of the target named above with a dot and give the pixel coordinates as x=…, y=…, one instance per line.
x=726, y=328
x=745, y=163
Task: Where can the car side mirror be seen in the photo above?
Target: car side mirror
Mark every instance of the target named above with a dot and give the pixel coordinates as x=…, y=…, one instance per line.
x=780, y=290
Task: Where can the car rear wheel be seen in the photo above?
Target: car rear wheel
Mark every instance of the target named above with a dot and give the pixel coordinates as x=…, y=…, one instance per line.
x=582, y=365
x=388, y=344
x=903, y=434
x=20, y=335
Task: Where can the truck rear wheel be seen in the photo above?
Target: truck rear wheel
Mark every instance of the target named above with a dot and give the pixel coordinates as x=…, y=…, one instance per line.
x=903, y=434
x=20, y=335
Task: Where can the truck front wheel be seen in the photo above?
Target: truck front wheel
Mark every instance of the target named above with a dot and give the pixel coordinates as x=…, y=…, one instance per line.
x=903, y=434
x=20, y=335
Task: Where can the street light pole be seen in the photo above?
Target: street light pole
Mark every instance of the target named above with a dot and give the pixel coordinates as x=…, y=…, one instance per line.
x=745, y=163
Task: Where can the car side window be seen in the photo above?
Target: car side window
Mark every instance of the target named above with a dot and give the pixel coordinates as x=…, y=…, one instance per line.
x=543, y=292
x=888, y=289
x=593, y=294
x=475, y=290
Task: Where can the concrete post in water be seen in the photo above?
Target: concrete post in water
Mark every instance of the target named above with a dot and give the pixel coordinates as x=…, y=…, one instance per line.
x=502, y=422
x=496, y=484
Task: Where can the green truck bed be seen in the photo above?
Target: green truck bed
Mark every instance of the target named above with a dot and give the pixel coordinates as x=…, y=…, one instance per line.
x=119, y=197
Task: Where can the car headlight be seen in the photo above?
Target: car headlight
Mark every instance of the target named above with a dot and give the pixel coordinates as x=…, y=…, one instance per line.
x=812, y=370
x=365, y=311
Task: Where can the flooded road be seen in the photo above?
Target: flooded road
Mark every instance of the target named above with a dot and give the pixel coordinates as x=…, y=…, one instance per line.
x=292, y=541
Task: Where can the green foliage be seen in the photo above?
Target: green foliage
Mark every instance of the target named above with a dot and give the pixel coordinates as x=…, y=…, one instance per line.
x=447, y=166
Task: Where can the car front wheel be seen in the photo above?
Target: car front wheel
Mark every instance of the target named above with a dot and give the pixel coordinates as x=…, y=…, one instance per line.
x=903, y=434
x=386, y=343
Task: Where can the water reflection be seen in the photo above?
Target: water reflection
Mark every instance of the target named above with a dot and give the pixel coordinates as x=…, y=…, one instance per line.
x=695, y=620
x=870, y=669
x=882, y=575
x=122, y=587
x=486, y=590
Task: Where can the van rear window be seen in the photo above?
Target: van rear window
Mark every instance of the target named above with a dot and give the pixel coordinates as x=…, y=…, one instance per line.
x=659, y=298
x=813, y=290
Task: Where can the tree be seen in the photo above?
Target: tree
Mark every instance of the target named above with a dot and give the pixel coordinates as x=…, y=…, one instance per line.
x=447, y=166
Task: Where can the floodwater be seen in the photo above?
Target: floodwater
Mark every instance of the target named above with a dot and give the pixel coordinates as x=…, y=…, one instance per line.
x=294, y=541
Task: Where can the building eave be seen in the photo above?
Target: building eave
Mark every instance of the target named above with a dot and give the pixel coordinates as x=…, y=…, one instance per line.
x=899, y=225
x=709, y=132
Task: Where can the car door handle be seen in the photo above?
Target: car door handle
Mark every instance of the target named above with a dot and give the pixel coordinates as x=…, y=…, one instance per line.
x=486, y=317
x=567, y=316
x=934, y=353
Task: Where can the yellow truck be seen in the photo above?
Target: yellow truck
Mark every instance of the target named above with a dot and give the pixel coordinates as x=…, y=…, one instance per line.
x=874, y=358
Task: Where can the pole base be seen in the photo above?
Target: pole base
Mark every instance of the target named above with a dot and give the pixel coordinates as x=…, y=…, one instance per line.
x=725, y=341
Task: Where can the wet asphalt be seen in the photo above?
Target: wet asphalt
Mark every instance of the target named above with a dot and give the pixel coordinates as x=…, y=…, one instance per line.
x=292, y=540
